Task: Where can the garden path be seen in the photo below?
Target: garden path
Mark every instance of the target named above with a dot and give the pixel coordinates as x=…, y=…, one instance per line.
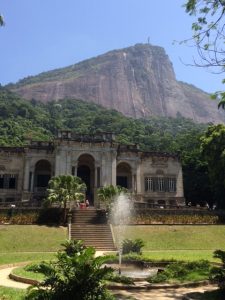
x=6, y=281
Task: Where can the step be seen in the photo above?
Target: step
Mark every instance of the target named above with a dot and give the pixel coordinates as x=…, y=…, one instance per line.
x=91, y=226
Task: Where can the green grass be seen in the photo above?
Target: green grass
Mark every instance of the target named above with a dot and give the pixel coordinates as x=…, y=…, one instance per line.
x=31, y=238
x=183, y=237
x=22, y=272
x=183, y=255
x=8, y=258
x=11, y=294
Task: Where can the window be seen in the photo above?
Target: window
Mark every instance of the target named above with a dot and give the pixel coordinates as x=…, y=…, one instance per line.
x=160, y=184
x=149, y=184
x=8, y=181
x=172, y=185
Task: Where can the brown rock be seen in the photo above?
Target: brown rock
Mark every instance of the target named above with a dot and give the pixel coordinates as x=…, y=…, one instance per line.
x=138, y=81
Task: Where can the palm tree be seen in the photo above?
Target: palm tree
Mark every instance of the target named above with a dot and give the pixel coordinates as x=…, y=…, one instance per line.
x=107, y=194
x=65, y=188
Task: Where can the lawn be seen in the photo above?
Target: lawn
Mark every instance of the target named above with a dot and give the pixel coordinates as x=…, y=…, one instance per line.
x=33, y=243
x=29, y=242
x=181, y=242
x=11, y=294
x=31, y=238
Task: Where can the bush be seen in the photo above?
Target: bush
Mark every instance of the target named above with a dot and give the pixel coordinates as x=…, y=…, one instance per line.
x=120, y=279
x=132, y=246
x=75, y=274
x=147, y=219
x=217, y=274
x=180, y=272
x=31, y=216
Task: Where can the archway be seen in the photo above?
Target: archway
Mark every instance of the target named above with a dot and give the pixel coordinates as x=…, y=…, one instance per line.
x=124, y=175
x=86, y=171
x=42, y=175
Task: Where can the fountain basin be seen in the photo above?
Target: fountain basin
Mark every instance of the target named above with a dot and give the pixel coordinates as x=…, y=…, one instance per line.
x=134, y=271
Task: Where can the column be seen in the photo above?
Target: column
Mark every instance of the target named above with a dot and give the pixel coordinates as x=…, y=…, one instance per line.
x=57, y=164
x=74, y=170
x=26, y=175
x=32, y=181
x=114, y=168
x=138, y=179
x=96, y=176
x=134, y=182
x=68, y=163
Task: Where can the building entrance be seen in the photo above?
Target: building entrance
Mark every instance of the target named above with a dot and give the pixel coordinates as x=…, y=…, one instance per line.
x=86, y=171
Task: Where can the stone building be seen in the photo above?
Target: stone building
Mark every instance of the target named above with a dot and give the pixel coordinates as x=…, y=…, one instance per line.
x=154, y=178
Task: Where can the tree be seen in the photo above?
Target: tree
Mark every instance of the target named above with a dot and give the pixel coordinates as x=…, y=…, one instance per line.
x=213, y=150
x=208, y=30
x=107, y=194
x=65, y=188
x=1, y=20
x=208, y=35
x=75, y=274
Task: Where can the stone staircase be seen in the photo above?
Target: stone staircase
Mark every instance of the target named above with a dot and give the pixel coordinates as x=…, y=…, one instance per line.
x=90, y=225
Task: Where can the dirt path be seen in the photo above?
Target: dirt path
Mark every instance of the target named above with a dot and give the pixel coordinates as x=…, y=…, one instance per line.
x=160, y=294
x=6, y=281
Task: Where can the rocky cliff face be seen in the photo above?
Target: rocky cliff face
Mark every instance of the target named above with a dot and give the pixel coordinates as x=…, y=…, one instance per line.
x=138, y=81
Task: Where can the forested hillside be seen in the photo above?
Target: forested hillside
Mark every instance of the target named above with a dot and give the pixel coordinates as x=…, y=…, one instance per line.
x=21, y=120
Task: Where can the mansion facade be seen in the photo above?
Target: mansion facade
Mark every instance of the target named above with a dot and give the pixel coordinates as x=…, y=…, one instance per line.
x=154, y=178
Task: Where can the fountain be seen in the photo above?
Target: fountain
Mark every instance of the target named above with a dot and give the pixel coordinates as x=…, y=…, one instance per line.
x=121, y=213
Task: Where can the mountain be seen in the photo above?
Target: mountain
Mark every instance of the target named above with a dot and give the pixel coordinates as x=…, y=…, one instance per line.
x=138, y=81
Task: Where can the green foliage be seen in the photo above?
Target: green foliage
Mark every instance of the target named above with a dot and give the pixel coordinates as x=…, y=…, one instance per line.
x=1, y=20
x=120, y=279
x=32, y=216
x=107, y=194
x=183, y=271
x=217, y=274
x=213, y=145
x=208, y=36
x=146, y=218
x=77, y=275
x=132, y=246
x=65, y=188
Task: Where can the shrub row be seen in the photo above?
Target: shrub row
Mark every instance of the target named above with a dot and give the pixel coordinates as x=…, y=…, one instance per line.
x=31, y=216
x=144, y=219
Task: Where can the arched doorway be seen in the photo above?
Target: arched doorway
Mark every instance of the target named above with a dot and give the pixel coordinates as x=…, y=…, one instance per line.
x=42, y=175
x=124, y=175
x=86, y=171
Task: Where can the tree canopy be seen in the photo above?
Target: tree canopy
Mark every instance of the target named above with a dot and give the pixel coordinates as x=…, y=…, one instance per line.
x=1, y=20
x=213, y=150
x=208, y=31
x=209, y=36
x=64, y=189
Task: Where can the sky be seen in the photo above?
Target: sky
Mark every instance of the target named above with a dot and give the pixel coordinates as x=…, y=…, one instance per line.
x=42, y=35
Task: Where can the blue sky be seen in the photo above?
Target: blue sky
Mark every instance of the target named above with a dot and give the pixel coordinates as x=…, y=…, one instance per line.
x=42, y=35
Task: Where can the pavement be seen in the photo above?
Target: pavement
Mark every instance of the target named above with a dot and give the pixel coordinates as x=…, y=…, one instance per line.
x=161, y=294
x=6, y=281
